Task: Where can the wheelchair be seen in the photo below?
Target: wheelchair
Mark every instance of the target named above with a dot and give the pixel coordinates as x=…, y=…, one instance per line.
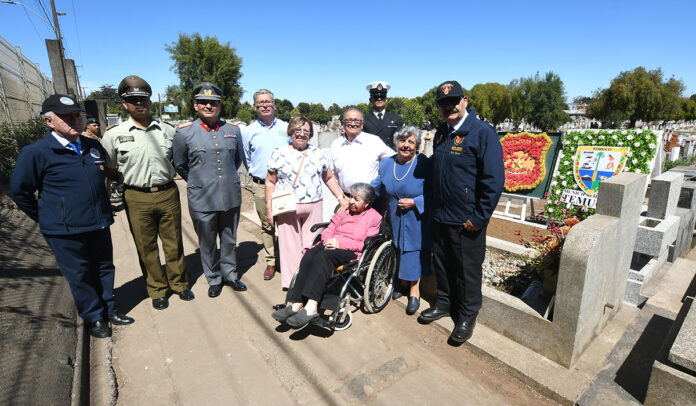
x=367, y=282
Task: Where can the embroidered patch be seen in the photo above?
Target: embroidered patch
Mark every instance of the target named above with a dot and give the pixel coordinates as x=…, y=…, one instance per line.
x=229, y=136
x=126, y=138
x=67, y=101
x=95, y=153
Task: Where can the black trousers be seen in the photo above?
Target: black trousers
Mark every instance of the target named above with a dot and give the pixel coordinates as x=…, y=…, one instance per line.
x=315, y=268
x=457, y=258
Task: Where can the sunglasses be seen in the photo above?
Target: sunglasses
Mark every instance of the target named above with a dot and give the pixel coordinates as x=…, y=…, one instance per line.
x=379, y=96
x=449, y=102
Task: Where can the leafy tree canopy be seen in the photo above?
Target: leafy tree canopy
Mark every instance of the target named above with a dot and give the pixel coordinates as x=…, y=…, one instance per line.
x=199, y=59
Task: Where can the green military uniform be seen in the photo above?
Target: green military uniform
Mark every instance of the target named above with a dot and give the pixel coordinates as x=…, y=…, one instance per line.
x=142, y=157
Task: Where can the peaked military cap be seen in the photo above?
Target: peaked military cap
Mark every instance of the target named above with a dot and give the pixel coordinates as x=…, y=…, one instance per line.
x=134, y=86
x=378, y=87
x=207, y=91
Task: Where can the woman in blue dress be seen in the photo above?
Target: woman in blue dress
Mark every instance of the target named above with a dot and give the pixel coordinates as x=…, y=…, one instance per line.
x=404, y=179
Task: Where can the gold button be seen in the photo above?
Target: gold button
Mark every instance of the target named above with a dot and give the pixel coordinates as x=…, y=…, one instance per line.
x=216, y=144
x=220, y=176
x=214, y=137
x=219, y=169
x=218, y=161
x=199, y=161
x=218, y=152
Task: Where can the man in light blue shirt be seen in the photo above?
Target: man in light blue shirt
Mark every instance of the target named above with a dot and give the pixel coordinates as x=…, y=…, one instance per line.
x=260, y=138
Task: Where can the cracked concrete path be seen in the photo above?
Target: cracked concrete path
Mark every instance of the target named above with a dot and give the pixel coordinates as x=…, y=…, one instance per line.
x=228, y=350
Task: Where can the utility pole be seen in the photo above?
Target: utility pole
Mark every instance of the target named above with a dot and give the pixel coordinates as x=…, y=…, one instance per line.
x=60, y=77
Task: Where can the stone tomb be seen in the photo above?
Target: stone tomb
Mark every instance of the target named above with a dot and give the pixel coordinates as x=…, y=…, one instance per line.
x=591, y=281
x=657, y=232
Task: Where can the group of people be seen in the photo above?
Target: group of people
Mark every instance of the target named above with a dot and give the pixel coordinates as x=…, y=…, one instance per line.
x=438, y=207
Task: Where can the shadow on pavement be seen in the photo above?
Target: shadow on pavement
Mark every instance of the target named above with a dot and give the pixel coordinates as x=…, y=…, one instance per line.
x=130, y=294
x=247, y=255
x=634, y=374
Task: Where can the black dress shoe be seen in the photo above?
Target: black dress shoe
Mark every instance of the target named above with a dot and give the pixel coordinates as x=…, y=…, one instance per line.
x=237, y=285
x=186, y=295
x=214, y=290
x=463, y=331
x=120, y=319
x=413, y=305
x=431, y=314
x=161, y=303
x=100, y=329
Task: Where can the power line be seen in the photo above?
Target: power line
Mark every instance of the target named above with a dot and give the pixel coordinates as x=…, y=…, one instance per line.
x=77, y=32
x=40, y=4
x=32, y=23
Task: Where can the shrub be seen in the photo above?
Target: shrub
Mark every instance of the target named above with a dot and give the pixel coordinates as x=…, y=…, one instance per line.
x=10, y=144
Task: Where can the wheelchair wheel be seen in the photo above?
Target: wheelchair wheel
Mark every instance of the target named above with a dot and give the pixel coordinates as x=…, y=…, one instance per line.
x=379, y=281
x=344, y=317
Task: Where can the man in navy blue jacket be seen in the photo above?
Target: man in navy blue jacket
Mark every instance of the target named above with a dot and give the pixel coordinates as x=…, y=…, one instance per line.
x=72, y=210
x=468, y=178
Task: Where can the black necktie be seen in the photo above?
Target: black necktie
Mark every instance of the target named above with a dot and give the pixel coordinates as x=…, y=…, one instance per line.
x=379, y=115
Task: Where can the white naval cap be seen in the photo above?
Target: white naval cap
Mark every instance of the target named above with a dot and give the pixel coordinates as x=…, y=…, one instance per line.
x=378, y=86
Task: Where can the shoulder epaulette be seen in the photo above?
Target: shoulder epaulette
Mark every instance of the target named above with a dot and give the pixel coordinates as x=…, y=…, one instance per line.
x=169, y=124
x=110, y=127
x=184, y=125
x=231, y=123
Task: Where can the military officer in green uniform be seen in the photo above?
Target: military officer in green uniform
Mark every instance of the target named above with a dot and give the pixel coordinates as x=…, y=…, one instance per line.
x=207, y=154
x=140, y=155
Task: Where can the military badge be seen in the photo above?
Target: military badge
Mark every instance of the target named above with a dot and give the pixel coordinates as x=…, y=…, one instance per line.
x=95, y=153
x=524, y=158
x=594, y=164
x=446, y=88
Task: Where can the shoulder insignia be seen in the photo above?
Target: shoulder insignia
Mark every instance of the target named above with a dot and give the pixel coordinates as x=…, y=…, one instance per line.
x=169, y=124
x=110, y=127
x=231, y=123
x=184, y=125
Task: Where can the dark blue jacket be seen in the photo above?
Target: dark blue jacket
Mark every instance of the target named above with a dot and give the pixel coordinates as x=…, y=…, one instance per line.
x=468, y=173
x=72, y=192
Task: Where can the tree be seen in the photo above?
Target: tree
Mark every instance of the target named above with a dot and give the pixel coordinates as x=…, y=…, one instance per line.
x=283, y=109
x=198, y=59
x=396, y=105
x=432, y=116
x=521, y=98
x=491, y=101
x=413, y=113
x=639, y=94
x=303, y=108
x=318, y=113
x=110, y=94
x=547, y=101
x=246, y=113
x=335, y=110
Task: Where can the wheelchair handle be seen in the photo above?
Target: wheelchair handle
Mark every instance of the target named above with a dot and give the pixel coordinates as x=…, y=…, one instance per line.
x=318, y=226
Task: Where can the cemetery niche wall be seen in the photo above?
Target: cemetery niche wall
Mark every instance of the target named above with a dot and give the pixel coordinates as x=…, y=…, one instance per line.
x=590, y=157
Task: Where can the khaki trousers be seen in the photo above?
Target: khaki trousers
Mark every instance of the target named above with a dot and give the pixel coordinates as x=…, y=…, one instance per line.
x=267, y=233
x=151, y=215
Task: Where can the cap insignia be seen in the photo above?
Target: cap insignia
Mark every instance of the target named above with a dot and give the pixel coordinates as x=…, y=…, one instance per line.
x=446, y=88
x=67, y=101
x=380, y=87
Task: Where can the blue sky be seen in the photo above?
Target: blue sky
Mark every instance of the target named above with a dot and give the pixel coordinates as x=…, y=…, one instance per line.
x=327, y=51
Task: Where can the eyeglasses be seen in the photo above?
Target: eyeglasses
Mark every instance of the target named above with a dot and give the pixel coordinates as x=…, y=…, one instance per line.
x=264, y=103
x=449, y=102
x=299, y=131
x=206, y=102
x=137, y=99
x=352, y=120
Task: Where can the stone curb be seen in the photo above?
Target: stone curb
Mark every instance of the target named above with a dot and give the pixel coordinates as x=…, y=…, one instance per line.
x=80, y=384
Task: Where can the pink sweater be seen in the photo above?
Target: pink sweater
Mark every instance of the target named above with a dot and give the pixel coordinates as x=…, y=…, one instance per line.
x=351, y=229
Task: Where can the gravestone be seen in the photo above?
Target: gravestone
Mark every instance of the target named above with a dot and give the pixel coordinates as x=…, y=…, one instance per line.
x=592, y=277
x=656, y=233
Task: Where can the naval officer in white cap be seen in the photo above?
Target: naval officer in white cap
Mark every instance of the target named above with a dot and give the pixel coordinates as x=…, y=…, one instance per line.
x=380, y=122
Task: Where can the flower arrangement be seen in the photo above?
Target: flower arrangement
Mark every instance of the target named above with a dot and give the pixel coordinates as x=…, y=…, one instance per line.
x=524, y=156
x=643, y=147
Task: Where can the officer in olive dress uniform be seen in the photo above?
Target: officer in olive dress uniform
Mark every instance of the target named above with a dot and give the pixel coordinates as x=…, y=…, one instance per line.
x=380, y=122
x=139, y=154
x=207, y=154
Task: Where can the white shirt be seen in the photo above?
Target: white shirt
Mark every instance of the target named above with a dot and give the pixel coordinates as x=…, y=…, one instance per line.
x=377, y=113
x=461, y=121
x=64, y=141
x=357, y=161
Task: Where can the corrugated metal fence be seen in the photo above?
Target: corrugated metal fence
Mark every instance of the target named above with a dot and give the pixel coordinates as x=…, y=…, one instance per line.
x=22, y=85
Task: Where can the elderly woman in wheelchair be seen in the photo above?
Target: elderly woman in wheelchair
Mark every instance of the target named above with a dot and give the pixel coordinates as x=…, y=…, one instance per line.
x=341, y=243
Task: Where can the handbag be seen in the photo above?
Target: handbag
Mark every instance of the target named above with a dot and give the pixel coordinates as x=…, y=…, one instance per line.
x=284, y=201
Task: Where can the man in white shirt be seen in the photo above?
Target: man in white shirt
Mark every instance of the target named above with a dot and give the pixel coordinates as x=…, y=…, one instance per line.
x=260, y=138
x=355, y=156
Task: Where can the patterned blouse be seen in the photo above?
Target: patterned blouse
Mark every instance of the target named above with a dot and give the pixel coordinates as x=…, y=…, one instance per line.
x=285, y=161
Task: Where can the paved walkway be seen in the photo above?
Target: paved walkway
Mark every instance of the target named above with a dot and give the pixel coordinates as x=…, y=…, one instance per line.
x=229, y=350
